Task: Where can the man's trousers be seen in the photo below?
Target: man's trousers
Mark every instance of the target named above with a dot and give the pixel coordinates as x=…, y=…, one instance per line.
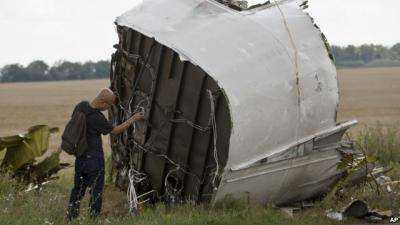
x=89, y=174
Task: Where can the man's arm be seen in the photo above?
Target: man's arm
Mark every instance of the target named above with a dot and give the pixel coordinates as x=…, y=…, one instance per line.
x=123, y=126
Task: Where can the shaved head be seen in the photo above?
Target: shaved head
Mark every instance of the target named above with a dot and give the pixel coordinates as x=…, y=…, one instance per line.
x=106, y=96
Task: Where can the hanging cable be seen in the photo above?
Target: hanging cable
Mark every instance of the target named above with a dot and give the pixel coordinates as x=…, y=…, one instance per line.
x=214, y=128
x=134, y=178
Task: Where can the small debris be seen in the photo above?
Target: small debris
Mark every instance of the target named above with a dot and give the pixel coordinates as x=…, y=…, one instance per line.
x=385, y=181
x=357, y=209
x=306, y=205
x=373, y=219
x=335, y=216
x=290, y=211
x=32, y=187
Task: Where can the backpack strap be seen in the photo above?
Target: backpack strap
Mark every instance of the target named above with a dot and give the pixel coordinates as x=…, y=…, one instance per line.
x=80, y=108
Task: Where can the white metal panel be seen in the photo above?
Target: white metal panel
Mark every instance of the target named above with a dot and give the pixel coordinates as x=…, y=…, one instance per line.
x=283, y=181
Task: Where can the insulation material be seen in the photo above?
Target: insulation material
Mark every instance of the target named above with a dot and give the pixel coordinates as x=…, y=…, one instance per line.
x=279, y=84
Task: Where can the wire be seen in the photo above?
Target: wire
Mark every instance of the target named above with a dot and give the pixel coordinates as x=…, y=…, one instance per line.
x=134, y=178
x=143, y=105
x=214, y=126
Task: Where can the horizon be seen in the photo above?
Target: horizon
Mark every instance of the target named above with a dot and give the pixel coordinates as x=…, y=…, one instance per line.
x=53, y=31
x=108, y=59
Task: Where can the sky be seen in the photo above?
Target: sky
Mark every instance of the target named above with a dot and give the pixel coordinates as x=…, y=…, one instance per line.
x=82, y=30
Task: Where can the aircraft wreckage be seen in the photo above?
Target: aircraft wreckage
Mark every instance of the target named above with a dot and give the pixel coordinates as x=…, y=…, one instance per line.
x=237, y=103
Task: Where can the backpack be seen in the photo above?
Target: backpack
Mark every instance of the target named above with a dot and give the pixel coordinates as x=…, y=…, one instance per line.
x=74, y=136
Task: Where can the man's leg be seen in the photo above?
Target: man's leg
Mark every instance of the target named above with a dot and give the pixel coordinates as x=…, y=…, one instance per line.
x=77, y=193
x=96, y=192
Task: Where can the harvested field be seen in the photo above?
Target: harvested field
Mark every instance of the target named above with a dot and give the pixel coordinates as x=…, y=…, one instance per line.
x=26, y=104
x=369, y=95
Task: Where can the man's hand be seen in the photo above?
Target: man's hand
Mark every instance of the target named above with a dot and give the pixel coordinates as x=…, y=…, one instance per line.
x=136, y=117
x=120, y=128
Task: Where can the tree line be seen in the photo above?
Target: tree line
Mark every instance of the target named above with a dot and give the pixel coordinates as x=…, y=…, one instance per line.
x=367, y=55
x=349, y=56
x=38, y=70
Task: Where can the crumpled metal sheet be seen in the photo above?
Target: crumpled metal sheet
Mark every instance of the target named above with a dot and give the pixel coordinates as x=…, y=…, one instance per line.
x=25, y=152
x=251, y=56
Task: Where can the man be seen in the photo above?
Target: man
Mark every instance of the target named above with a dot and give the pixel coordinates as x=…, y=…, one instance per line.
x=89, y=168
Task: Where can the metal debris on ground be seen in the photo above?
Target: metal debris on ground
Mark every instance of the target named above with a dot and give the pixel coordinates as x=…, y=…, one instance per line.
x=359, y=209
x=23, y=152
x=290, y=211
x=335, y=215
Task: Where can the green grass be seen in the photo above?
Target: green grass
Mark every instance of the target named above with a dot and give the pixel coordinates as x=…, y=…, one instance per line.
x=48, y=205
x=381, y=141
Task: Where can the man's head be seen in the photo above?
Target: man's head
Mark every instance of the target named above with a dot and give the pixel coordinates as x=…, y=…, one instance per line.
x=104, y=99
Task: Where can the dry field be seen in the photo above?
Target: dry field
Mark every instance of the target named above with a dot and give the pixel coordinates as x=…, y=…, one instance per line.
x=26, y=104
x=369, y=95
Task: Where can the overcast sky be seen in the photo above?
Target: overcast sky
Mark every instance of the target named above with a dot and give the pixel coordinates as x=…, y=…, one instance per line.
x=81, y=30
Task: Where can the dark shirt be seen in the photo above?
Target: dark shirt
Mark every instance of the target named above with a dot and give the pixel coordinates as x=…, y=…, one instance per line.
x=96, y=125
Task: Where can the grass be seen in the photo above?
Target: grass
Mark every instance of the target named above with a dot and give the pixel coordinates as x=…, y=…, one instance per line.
x=47, y=206
x=383, y=141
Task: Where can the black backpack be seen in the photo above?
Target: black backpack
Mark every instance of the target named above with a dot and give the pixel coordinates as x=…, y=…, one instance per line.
x=74, y=136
